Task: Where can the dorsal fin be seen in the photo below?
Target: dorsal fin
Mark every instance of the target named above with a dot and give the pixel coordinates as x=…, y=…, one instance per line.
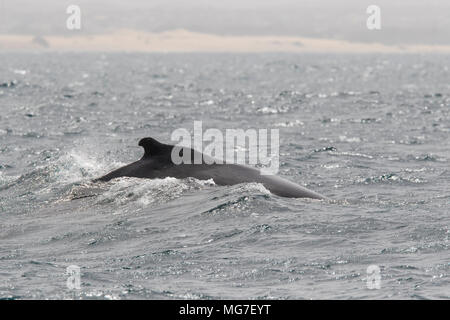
x=153, y=147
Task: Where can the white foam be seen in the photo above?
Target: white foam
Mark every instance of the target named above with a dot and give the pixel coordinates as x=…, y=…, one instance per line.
x=5, y=179
x=125, y=190
x=78, y=165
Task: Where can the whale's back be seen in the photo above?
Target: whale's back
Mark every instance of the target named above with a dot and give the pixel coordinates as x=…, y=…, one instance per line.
x=157, y=163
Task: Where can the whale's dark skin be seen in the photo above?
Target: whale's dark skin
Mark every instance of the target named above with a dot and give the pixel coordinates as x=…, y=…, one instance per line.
x=157, y=163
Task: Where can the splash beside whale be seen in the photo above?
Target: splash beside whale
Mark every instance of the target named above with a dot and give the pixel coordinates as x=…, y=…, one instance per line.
x=157, y=163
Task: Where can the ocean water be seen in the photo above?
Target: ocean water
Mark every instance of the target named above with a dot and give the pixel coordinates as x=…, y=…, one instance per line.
x=371, y=132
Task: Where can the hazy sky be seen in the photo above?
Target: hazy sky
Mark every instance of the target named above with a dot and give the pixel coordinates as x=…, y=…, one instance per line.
x=402, y=21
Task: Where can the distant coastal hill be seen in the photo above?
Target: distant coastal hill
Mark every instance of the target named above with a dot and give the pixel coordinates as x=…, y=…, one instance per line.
x=187, y=41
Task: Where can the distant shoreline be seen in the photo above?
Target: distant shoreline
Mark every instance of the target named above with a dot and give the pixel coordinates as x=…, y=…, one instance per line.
x=126, y=40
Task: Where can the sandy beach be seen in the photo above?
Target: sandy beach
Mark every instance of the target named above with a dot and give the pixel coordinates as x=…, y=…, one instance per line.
x=187, y=41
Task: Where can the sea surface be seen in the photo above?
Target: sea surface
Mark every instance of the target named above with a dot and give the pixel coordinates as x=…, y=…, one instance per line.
x=371, y=132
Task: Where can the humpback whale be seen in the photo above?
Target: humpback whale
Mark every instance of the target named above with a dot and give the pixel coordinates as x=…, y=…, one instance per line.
x=157, y=163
